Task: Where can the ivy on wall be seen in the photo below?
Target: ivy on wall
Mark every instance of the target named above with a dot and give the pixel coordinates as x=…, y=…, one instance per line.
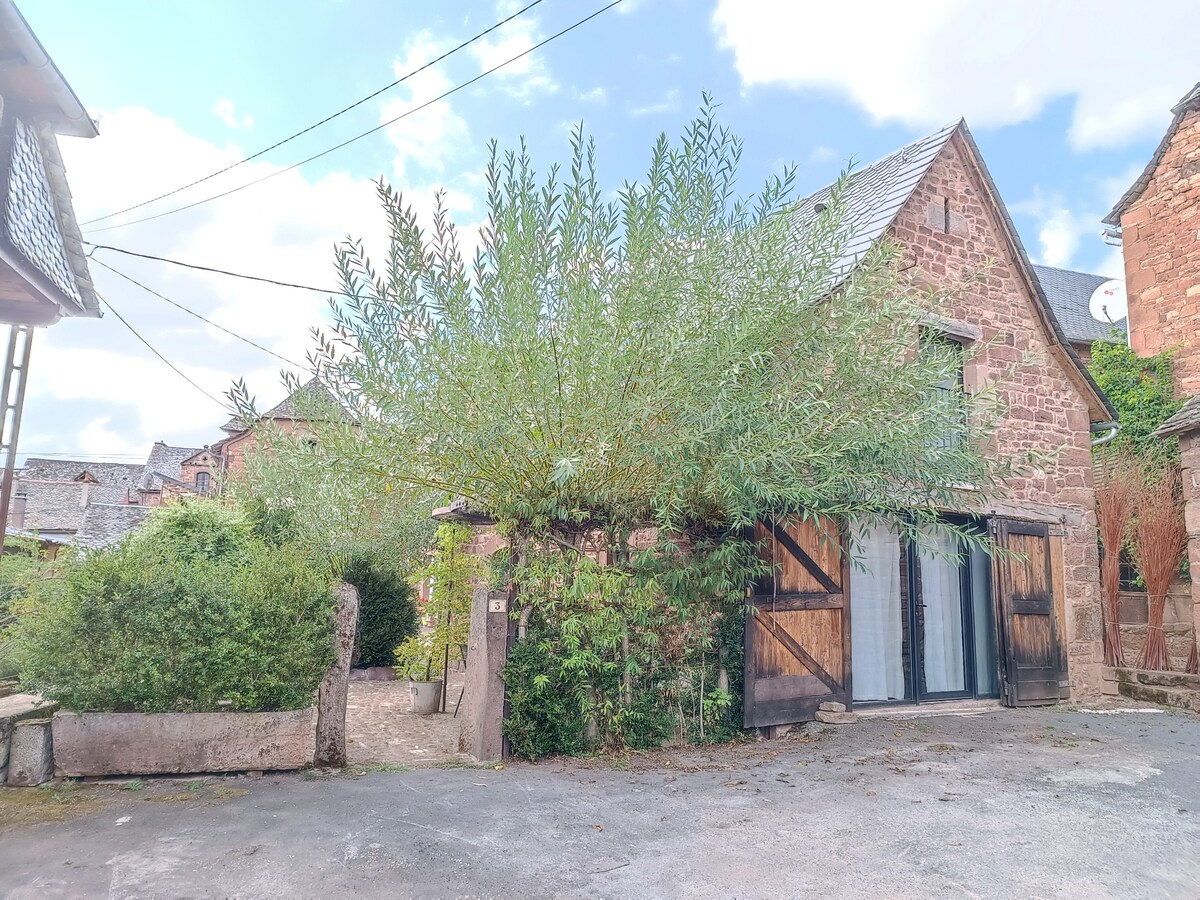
x=1142, y=391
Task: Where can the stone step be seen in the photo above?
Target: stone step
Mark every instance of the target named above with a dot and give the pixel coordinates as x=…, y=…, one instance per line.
x=1177, y=697
x=1158, y=679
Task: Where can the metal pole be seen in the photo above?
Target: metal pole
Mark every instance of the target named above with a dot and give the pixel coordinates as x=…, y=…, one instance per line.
x=16, y=369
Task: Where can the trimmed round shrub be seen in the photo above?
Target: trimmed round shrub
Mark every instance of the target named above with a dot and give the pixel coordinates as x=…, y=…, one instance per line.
x=188, y=612
x=387, y=612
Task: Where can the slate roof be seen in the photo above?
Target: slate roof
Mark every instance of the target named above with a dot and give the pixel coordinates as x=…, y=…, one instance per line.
x=1187, y=419
x=107, y=523
x=1189, y=102
x=312, y=396
x=39, y=224
x=875, y=194
x=164, y=462
x=1068, y=294
x=55, y=501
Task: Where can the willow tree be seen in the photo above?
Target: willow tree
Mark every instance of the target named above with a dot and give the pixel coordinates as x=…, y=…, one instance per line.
x=674, y=354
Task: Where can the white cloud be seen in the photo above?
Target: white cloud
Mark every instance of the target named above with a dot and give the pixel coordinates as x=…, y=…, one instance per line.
x=93, y=386
x=596, y=95
x=821, y=154
x=225, y=112
x=1060, y=231
x=525, y=77
x=427, y=139
x=994, y=63
x=102, y=441
x=668, y=104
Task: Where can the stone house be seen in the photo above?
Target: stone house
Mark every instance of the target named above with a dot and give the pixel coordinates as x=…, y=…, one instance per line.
x=291, y=415
x=908, y=626
x=92, y=503
x=1158, y=220
x=43, y=271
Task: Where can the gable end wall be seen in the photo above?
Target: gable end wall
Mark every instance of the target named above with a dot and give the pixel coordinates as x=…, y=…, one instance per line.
x=1045, y=409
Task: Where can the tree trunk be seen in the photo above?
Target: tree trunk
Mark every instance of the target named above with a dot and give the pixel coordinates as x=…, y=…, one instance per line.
x=331, y=699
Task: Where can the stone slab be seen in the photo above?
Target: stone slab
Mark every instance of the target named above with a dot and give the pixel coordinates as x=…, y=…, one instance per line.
x=25, y=706
x=31, y=754
x=99, y=744
x=373, y=673
x=827, y=717
x=832, y=706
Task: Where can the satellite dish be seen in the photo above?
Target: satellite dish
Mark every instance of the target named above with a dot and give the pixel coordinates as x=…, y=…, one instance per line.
x=1108, y=302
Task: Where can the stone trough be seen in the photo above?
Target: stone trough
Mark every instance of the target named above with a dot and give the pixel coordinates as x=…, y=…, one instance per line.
x=99, y=744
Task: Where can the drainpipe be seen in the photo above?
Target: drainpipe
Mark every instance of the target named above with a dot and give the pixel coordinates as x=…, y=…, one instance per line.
x=1110, y=429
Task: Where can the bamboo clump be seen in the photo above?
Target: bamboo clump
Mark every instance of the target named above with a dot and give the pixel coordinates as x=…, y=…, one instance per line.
x=1160, y=540
x=1116, y=500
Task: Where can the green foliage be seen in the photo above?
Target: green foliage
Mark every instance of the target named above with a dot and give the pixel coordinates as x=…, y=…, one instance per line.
x=1143, y=392
x=646, y=647
x=19, y=567
x=387, y=613
x=544, y=717
x=452, y=573
x=189, y=611
x=680, y=359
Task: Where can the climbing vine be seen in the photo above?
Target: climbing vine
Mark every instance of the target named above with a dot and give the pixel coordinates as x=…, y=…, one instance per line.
x=1142, y=390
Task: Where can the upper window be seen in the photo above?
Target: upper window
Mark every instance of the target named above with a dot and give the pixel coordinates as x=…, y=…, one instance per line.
x=949, y=389
x=202, y=480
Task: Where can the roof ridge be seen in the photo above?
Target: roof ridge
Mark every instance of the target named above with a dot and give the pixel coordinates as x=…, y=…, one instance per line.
x=1071, y=271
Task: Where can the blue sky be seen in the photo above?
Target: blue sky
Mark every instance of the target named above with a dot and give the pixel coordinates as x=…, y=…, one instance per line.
x=1065, y=122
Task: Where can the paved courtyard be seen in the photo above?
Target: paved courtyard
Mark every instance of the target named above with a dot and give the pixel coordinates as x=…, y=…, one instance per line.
x=1005, y=804
x=382, y=730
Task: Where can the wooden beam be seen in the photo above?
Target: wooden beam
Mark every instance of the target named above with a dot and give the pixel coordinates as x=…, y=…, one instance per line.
x=796, y=650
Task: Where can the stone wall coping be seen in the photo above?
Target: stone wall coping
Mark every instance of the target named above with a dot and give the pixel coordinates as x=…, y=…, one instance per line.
x=17, y=707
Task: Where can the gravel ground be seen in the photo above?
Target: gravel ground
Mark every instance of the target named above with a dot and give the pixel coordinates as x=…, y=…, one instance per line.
x=1011, y=803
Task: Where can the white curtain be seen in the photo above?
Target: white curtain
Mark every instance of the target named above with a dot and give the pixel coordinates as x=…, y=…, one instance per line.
x=876, y=635
x=941, y=592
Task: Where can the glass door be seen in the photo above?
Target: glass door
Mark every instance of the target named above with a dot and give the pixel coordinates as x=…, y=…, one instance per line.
x=922, y=624
x=941, y=619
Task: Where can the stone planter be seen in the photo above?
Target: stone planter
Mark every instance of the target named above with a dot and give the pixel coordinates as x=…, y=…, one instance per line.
x=97, y=744
x=426, y=697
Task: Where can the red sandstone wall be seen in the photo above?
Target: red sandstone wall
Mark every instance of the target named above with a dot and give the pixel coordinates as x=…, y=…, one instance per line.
x=1045, y=409
x=1161, y=238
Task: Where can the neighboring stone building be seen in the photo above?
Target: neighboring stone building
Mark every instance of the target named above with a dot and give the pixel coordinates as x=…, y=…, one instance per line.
x=93, y=503
x=291, y=415
x=52, y=496
x=174, y=472
x=43, y=270
x=1069, y=294
x=1159, y=223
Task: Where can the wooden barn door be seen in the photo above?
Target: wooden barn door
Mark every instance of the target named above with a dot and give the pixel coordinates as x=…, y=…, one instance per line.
x=798, y=624
x=1029, y=584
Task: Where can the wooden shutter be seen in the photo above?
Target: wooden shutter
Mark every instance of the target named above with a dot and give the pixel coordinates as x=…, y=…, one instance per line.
x=1032, y=662
x=798, y=624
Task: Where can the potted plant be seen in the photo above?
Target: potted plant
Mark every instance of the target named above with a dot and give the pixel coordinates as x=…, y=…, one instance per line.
x=418, y=660
x=452, y=573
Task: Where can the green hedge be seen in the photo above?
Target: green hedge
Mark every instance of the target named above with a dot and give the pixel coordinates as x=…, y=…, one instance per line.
x=387, y=613
x=190, y=611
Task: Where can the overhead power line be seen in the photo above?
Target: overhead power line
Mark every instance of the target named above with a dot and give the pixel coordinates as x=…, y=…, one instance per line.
x=198, y=267
x=315, y=125
x=192, y=312
x=151, y=348
x=371, y=131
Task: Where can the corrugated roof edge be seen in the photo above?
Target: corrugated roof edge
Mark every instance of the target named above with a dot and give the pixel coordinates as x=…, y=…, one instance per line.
x=1031, y=276
x=1190, y=101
